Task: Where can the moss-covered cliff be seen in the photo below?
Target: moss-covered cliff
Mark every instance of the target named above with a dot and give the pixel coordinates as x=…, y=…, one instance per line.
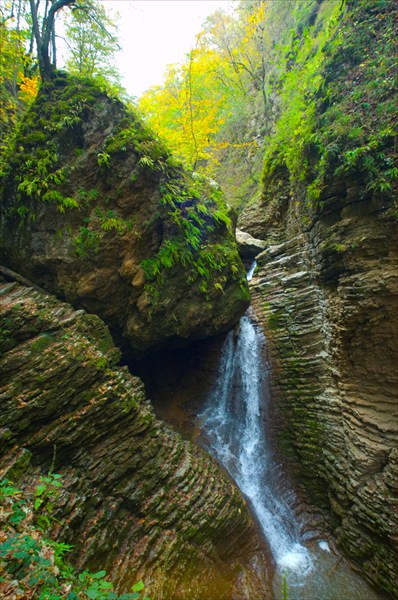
x=326, y=287
x=97, y=211
x=137, y=500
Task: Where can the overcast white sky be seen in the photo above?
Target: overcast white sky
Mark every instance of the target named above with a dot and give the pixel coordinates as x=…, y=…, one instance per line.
x=156, y=33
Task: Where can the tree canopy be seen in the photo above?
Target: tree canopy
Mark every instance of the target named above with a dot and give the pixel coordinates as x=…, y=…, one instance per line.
x=28, y=48
x=202, y=102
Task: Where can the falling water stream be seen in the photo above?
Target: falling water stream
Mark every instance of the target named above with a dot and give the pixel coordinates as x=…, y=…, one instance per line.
x=234, y=429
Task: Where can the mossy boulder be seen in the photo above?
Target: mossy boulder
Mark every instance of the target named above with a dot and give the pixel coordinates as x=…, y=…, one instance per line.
x=97, y=211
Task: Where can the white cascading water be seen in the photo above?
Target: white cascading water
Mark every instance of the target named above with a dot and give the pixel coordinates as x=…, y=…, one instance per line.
x=235, y=432
x=234, y=426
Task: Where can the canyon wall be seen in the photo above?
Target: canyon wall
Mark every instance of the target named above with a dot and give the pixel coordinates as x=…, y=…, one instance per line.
x=137, y=500
x=331, y=318
x=326, y=286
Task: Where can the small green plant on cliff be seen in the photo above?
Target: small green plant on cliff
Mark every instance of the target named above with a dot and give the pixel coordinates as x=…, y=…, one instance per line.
x=34, y=566
x=45, y=496
x=104, y=160
x=195, y=209
x=86, y=241
x=111, y=221
x=40, y=179
x=133, y=135
x=285, y=587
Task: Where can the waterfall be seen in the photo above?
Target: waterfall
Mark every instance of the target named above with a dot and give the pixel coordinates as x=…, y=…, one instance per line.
x=234, y=424
x=234, y=427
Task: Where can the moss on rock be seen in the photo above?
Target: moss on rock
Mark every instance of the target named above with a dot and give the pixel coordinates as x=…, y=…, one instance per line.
x=96, y=210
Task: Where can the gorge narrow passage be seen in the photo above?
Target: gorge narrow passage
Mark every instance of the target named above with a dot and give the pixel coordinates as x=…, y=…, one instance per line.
x=234, y=428
x=217, y=393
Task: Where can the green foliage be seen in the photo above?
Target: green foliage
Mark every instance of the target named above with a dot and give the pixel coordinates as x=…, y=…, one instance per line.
x=18, y=85
x=39, y=175
x=317, y=78
x=110, y=221
x=86, y=241
x=194, y=209
x=9, y=491
x=104, y=159
x=134, y=136
x=37, y=564
x=200, y=106
x=299, y=90
x=328, y=125
x=285, y=587
x=36, y=164
x=45, y=496
x=92, y=37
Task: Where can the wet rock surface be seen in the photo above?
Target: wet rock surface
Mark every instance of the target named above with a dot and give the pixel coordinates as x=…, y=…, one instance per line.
x=327, y=296
x=137, y=500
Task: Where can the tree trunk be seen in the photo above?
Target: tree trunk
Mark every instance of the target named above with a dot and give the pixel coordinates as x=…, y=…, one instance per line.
x=43, y=37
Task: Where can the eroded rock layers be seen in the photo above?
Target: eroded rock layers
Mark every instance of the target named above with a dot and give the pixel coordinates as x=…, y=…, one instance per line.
x=327, y=295
x=326, y=290
x=137, y=499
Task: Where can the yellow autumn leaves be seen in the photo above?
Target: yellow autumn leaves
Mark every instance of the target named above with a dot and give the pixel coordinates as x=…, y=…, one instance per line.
x=15, y=87
x=188, y=109
x=199, y=97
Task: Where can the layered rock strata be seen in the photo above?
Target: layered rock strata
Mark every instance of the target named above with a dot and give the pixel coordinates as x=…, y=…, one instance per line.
x=327, y=298
x=326, y=288
x=137, y=499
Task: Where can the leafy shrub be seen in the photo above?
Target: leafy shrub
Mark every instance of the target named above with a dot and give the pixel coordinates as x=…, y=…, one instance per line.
x=34, y=566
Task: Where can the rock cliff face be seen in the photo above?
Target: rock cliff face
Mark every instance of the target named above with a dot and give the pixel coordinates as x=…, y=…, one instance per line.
x=331, y=319
x=326, y=290
x=137, y=499
x=95, y=210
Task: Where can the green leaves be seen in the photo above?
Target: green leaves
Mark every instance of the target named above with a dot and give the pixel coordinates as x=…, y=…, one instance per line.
x=86, y=241
x=104, y=159
x=37, y=563
x=138, y=587
x=11, y=495
x=196, y=209
x=92, y=37
x=95, y=587
x=46, y=493
x=38, y=179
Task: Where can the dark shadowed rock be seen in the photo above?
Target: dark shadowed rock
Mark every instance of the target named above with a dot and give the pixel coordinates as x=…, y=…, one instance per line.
x=137, y=500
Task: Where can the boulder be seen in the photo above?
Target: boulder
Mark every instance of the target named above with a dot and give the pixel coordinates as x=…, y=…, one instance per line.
x=249, y=247
x=95, y=210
